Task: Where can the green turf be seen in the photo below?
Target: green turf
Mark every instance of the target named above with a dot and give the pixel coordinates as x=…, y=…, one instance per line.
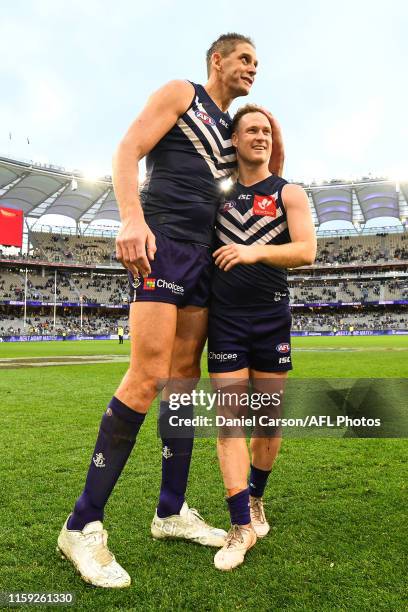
x=338, y=507
x=69, y=347
x=351, y=357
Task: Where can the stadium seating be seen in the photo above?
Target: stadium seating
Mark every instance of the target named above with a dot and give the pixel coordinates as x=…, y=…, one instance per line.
x=360, y=320
x=338, y=250
x=68, y=248
x=71, y=286
x=333, y=251
x=113, y=289
x=108, y=285
x=92, y=324
x=349, y=291
x=380, y=248
x=68, y=322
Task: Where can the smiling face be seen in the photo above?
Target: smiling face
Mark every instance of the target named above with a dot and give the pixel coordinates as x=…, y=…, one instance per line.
x=237, y=70
x=253, y=138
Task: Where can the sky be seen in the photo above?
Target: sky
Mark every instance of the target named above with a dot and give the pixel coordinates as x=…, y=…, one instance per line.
x=74, y=75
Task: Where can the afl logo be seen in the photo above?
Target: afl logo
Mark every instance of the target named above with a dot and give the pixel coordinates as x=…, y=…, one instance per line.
x=136, y=282
x=205, y=118
x=284, y=347
x=228, y=205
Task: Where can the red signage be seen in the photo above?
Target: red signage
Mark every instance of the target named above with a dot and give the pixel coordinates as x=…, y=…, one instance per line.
x=11, y=227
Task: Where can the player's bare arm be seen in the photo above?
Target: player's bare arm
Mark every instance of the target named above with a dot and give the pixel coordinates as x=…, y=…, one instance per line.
x=135, y=243
x=300, y=252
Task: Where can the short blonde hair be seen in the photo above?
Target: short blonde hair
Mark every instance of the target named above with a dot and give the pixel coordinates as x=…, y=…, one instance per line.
x=244, y=110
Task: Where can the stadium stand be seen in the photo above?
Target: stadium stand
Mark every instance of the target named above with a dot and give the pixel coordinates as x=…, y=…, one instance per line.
x=334, y=251
x=71, y=286
x=113, y=289
x=360, y=321
x=381, y=248
x=359, y=279
x=108, y=288
x=69, y=322
x=349, y=291
x=81, y=249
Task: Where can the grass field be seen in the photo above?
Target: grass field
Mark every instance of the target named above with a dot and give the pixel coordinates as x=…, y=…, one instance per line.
x=338, y=506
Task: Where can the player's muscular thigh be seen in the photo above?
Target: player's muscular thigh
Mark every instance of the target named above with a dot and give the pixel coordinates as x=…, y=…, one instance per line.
x=152, y=329
x=191, y=334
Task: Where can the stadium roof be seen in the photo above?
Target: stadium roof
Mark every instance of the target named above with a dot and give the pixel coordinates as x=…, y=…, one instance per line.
x=38, y=190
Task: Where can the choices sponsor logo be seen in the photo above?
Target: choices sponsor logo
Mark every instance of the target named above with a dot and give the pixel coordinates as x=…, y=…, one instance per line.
x=264, y=205
x=177, y=289
x=149, y=284
x=222, y=356
x=204, y=118
x=283, y=347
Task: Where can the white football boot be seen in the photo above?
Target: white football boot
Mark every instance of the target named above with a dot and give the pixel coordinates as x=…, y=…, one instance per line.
x=88, y=552
x=258, y=518
x=188, y=525
x=239, y=540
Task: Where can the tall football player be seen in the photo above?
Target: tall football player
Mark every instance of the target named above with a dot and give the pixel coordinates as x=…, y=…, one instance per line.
x=164, y=242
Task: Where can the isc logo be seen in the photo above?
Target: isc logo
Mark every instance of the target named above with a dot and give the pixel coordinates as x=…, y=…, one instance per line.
x=284, y=347
x=284, y=359
x=205, y=118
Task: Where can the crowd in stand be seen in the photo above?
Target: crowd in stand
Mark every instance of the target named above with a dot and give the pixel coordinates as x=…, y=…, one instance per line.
x=342, y=250
x=86, y=286
x=352, y=290
x=20, y=256
x=74, y=287
x=67, y=322
x=71, y=287
x=362, y=321
x=82, y=249
x=313, y=321
x=365, y=249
